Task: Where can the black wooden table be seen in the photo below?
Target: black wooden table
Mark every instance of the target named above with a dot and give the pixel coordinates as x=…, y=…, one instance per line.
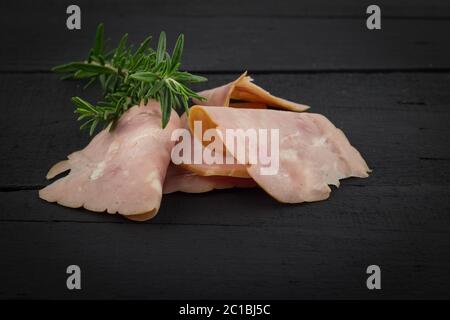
x=389, y=90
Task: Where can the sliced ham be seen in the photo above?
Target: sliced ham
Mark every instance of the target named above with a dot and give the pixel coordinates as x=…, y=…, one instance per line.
x=180, y=179
x=201, y=169
x=248, y=105
x=198, y=178
x=119, y=171
x=250, y=96
x=226, y=170
x=243, y=89
x=313, y=153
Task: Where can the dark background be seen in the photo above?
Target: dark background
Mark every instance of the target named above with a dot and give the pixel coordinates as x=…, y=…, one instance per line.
x=387, y=89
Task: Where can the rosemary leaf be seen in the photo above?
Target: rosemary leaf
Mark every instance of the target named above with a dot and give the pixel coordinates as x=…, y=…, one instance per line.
x=130, y=76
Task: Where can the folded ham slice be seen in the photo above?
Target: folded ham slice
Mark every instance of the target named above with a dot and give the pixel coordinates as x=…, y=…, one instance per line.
x=243, y=89
x=313, y=153
x=119, y=171
x=234, y=170
x=250, y=96
x=198, y=178
x=180, y=179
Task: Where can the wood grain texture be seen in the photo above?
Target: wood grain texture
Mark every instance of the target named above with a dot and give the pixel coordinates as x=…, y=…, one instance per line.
x=400, y=9
x=396, y=208
x=190, y=262
x=40, y=39
x=233, y=244
x=241, y=243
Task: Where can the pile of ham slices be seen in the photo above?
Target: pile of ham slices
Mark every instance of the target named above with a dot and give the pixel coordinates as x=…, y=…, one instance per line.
x=128, y=169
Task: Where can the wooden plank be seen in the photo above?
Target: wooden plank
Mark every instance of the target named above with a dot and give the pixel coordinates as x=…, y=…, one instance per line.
x=240, y=243
x=411, y=9
x=402, y=208
x=218, y=262
x=399, y=122
x=36, y=41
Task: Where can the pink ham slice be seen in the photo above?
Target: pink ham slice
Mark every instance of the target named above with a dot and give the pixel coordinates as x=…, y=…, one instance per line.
x=234, y=170
x=251, y=96
x=180, y=179
x=121, y=171
x=243, y=89
x=198, y=178
x=313, y=153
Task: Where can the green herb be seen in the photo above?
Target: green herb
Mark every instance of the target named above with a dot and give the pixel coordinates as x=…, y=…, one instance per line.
x=129, y=77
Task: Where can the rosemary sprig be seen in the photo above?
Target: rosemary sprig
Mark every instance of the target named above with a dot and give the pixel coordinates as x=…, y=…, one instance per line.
x=130, y=76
